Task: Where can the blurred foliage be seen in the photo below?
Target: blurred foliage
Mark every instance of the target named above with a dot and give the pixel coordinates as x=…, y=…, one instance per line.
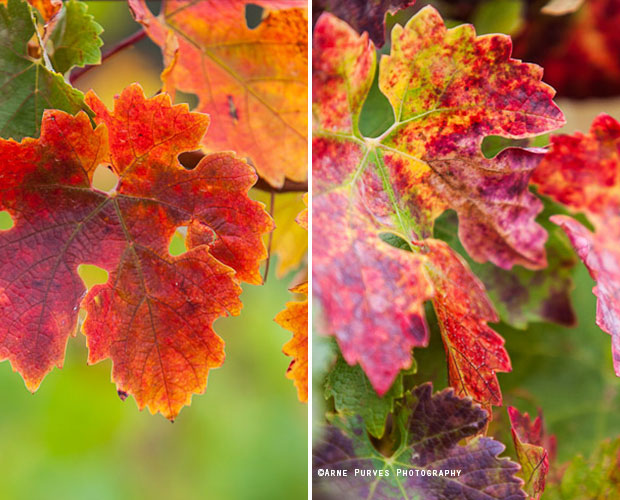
x=245, y=438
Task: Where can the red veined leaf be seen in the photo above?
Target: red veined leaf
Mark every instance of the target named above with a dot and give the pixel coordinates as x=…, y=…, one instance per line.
x=449, y=89
x=154, y=315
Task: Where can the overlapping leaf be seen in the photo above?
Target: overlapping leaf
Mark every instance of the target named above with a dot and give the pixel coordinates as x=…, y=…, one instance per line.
x=531, y=454
x=353, y=395
x=28, y=84
x=520, y=295
x=421, y=466
x=47, y=8
x=253, y=82
x=74, y=40
x=154, y=315
x=583, y=172
x=362, y=15
x=295, y=319
x=449, y=89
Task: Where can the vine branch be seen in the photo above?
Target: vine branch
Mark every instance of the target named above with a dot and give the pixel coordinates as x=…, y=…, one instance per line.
x=123, y=44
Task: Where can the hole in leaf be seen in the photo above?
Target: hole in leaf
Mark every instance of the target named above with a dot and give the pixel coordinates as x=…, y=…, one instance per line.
x=104, y=179
x=185, y=97
x=253, y=15
x=492, y=145
x=92, y=275
x=377, y=114
x=177, y=242
x=395, y=241
x=6, y=221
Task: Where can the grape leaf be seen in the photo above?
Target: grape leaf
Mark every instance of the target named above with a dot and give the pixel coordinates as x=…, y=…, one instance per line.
x=28, y=85
x=361, y=15
x=520, y=295
x=353, y=395
x=47, y=8
x=371, y=191
x=531, y=454
x=75, y=38
x=431, y=432
x=253, y=82
x=295, y=319
x=597, y=478
x=154, y=315
x=583, y=172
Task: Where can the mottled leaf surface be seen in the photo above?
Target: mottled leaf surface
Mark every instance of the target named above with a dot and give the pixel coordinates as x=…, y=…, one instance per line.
x=28, y=85
x=448, y=89
x=75, y=38
x=252, y=82
x=527, y=436
x=522, y=296
x=583, y=173
x=153, y=317
x=47, y=8
x=295, y=319
x=362, y=15
x=431, y=428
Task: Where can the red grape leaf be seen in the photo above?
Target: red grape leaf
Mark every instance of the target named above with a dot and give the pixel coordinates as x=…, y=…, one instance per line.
x=422, y=466
x=252, y=82
x=362, y=15
x=295, y=319
x=528, y=438
x=583, y=172
x=449, y=89
x=154, y=315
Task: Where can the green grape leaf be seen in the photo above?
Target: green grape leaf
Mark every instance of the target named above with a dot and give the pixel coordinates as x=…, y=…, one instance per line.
x=28, y=86
x=75, y=39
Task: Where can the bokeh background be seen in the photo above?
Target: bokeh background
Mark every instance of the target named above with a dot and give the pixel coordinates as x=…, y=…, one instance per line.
x=245, y=438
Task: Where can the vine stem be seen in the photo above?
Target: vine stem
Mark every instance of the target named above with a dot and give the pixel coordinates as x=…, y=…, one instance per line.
x=271, y=209
x=123, y=44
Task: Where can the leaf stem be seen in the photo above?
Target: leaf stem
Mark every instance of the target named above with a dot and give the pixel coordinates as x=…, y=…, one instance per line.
x=123, y=44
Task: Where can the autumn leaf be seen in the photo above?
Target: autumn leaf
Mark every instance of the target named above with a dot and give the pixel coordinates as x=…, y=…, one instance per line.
x=153, y=317
x=583, y=173
x=47, y=8
x=74, y=41
x=252, y=82
x=421, y=467
x=522, y=296
x=29, y=85
x=361, y=15
x=376, y=199
x=531, y=453
x=295, y=319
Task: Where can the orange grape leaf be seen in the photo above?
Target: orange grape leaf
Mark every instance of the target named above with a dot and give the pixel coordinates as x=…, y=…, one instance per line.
x=376, y=197
x=295, y=319
x=154, y=315
x=47, y=8
x=252, y=82
x=531, y=445
x=583, y=172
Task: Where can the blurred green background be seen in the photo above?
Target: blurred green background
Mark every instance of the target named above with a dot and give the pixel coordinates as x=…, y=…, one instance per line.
x=245, y=438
